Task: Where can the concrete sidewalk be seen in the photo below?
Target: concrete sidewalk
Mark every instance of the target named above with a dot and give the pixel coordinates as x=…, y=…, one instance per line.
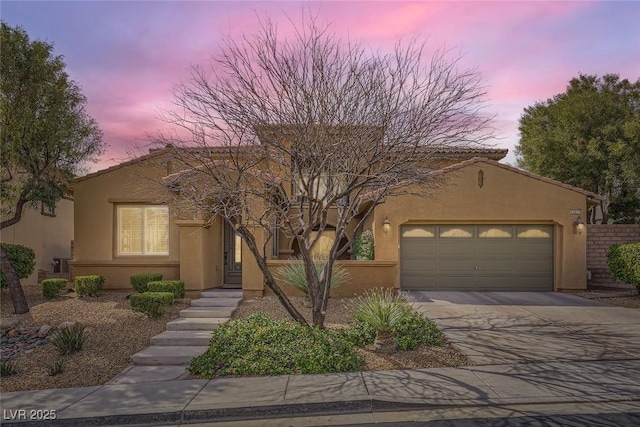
x=451, y=392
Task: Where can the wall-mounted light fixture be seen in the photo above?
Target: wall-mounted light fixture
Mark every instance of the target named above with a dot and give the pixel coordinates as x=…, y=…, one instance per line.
x=578, y=225
x=480, y=178
x=386, y=225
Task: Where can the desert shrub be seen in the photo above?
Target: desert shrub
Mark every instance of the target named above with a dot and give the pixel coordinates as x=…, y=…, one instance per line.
x=69, y=339
x=293, y=274
x=51, y=287
x=176, y=287
x=359, y=333
x=363, y=246
x=393, y=322
x=414, y=330
x=624, y=263
x=151, y=303
x=7, y=368
x=56, y=367
x=258, y=345
x=23, y=260
x=140, y=281
x=88, y=285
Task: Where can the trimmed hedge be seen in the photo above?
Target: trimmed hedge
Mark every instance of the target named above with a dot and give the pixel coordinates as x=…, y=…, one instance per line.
x=140, y=281
x=624, y=263
x=52, y=287
x=151, y=303
x=23, y=260
x=88, y=285
x=176, y=287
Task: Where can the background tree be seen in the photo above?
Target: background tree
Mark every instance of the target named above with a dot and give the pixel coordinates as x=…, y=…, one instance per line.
x=589, y=137
x=315, y=132
x=45, y=132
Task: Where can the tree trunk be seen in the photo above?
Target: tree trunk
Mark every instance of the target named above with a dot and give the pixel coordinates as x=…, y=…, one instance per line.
x=385, y=342
x=20, y=305
x=269, y=280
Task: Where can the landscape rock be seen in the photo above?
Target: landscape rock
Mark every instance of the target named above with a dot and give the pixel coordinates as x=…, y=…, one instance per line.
x=44, y=330
x=67, y=324
x=9, y=323
x=21, y=341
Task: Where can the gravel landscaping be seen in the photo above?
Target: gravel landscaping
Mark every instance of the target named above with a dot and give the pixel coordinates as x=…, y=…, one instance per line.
x=627, y=302
x=114, y=332
x=339, y=314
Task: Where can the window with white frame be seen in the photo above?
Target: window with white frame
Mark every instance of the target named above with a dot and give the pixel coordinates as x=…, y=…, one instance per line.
x=143, y=229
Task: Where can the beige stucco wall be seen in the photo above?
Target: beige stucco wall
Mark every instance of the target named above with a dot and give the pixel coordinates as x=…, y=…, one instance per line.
x=505, y=197
x=49, y=236
x=363, y=275
x=195, y=251
x=96, y=199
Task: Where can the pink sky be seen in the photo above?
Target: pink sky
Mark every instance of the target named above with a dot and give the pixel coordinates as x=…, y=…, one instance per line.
x=128, y=55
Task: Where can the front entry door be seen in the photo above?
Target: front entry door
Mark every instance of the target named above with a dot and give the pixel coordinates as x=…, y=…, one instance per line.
x=232, y=256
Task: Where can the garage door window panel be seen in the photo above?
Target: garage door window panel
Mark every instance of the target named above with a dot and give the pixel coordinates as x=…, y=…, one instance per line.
x=495, y=232
x=456, y=232
x=534, y=232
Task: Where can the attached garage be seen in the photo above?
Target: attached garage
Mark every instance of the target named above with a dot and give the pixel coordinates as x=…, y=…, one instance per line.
x=477, y=257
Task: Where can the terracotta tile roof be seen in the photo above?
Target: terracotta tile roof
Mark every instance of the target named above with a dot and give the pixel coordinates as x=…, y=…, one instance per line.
x=445, y=152
x=521, y=172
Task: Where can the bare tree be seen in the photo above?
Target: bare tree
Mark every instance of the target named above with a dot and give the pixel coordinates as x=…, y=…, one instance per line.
x=299, y=133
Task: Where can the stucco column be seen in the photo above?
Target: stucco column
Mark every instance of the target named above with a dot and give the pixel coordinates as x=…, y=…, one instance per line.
x=192, y=239
x=252, y=277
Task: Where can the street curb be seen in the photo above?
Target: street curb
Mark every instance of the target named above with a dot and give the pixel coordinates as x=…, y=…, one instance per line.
x=287, y=410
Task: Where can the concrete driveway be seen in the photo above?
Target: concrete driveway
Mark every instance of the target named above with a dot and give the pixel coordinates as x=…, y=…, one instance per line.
x=523, y=327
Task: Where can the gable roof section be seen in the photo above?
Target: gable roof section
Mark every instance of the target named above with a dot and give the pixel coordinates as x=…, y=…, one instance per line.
x=445, y=152
x=152, y=153
x=476, y=160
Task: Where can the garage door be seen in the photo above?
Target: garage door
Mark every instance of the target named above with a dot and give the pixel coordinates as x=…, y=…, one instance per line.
x=477, y=257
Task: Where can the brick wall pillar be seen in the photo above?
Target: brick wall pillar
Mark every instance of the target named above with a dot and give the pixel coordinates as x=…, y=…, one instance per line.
x=599, y=238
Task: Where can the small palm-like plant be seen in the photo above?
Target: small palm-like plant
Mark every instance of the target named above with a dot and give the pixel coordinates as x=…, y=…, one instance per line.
x=70, y=339
x=294, y=274
x=384, y=310
x=7, y=368
x=56, y=367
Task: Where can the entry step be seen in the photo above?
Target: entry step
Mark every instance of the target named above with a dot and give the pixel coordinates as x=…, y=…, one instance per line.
x=167, y=355
x=216, y=302
x=222, y=293
x=195, y=324
x=182, y=338
x=206, y=312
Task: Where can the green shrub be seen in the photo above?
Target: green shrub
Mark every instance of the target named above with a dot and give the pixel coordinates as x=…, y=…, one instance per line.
x=88, y=285
x=414, y=330
x=363, y=246
x=52, y=287
x=151, y=303
x=140, y=281
x=23, y=260
x=176, y=287
x=359, y=333
x=294, y=274
x=624, y=263
x=7, y=368
x=56, y=367
x=258, y=345
x=69, y=339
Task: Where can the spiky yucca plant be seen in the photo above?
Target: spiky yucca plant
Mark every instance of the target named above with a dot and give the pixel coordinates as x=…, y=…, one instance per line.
x=293, y=274
x=383, y=309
